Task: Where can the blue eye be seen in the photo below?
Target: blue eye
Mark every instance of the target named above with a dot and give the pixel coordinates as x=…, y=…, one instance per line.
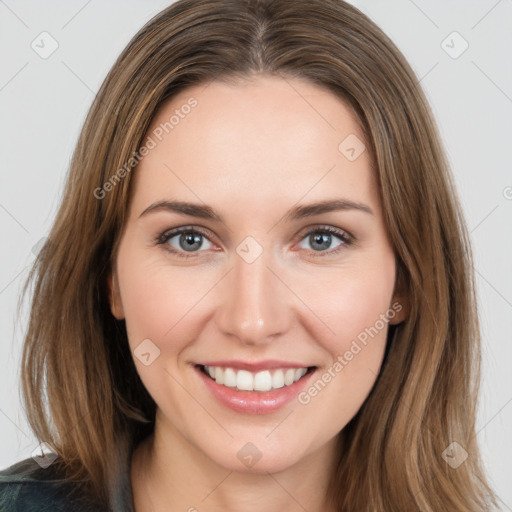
x=321, y=239
x=187, y=242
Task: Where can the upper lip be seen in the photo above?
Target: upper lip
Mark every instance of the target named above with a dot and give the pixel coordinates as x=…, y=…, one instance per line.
x=255, y=366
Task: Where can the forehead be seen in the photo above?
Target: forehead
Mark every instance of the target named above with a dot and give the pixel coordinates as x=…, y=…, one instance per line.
x=268, y=138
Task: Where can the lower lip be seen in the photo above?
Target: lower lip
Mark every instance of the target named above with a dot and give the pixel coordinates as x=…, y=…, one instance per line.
x=254, y=402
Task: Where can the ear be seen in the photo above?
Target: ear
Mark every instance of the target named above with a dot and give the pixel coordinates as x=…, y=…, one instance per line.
x=400, y=301
x=114, y=295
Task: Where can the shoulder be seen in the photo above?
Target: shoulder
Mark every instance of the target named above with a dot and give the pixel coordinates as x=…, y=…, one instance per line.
x=28, y=487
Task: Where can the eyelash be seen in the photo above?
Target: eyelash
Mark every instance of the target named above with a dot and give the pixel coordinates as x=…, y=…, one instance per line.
x=346, y=238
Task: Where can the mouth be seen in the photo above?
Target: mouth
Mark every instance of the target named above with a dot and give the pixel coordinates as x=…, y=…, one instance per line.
x=263, y=381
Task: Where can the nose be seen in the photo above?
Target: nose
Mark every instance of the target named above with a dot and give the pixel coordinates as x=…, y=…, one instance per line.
x=255, y=305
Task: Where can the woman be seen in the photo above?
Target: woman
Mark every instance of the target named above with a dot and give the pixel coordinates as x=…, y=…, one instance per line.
x=257, y=293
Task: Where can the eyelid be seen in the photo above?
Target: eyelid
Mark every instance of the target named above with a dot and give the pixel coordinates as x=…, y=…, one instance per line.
x=171, y=232
x=346, y=237
x=165, y=236
x=325, y=227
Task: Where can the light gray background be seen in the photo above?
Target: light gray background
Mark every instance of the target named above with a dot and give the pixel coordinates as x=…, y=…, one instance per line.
x=43, y=103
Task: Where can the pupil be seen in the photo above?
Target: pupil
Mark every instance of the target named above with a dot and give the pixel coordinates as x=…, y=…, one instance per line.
x=319, y=238
x=191, y=239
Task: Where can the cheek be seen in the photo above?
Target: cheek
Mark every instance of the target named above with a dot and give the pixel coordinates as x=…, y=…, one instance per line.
x=156, y=298
x=354, y=305
x=351, y=303
x=146, y=303
x=161, y=304
x=361, y=306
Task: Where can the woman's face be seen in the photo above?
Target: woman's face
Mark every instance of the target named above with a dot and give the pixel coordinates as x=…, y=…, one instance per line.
x=249, y=285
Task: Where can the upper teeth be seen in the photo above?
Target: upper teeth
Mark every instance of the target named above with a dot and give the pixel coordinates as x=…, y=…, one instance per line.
x=260, y=381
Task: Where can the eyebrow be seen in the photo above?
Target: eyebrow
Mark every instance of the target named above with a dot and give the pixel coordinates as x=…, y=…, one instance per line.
x=296, y=213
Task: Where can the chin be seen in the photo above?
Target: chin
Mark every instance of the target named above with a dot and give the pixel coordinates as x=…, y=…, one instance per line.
x=257, y=458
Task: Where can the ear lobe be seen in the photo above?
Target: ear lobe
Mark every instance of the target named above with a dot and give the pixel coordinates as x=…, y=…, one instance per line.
x=400, y=301
x=400, y=306
x=114, y=296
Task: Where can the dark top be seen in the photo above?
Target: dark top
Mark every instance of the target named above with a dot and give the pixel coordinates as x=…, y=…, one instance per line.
x=28, y=487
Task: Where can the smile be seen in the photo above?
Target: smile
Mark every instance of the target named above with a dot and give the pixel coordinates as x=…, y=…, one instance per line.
x=256, y=394
x=262, y=381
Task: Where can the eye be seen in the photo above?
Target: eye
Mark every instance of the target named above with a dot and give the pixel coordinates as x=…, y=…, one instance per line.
x=321, y=240
x=184, y=240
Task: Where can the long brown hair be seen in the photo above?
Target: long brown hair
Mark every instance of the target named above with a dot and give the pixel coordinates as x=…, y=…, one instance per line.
x=81, y=390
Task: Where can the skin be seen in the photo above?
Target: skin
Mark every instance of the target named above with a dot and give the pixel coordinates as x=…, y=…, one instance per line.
x=251, y=151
